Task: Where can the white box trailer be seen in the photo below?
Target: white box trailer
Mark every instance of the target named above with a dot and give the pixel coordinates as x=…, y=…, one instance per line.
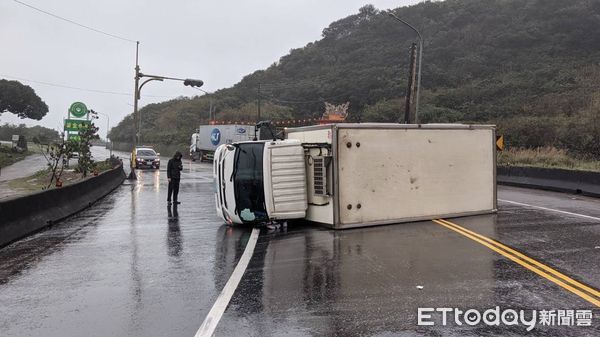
x=388, y=173
x=209, y=137
x=361, y=174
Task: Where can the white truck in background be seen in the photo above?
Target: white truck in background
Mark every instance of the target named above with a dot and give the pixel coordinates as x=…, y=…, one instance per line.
x=208, y=137
x=352, y=175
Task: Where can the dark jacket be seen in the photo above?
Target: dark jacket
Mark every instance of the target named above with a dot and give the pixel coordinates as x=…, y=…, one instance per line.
x=174, y=167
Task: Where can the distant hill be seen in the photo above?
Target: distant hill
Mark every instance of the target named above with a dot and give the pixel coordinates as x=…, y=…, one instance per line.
x=32, y=134
x=532, y=67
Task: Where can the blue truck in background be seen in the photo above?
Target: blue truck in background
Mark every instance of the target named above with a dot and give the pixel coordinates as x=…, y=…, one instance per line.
x=208, y=137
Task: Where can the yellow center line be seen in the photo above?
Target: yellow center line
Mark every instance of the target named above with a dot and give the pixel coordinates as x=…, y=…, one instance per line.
x=528, y=259
x=517, y=260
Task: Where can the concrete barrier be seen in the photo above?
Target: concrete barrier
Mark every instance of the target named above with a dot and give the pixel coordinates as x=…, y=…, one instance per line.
x=25, y=215
x=561, y=180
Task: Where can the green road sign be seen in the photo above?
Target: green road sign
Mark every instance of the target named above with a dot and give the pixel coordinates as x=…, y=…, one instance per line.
x=76, y=124
x=74, y=137
x=78, y=109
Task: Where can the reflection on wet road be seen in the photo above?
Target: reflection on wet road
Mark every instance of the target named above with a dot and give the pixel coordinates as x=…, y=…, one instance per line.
x=371, y=281
x=128, y=266
x=131, y=266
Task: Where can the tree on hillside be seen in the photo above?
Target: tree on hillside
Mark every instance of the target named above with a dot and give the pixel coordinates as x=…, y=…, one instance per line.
x=528, y=66
x=21, y=100
x=41, y=134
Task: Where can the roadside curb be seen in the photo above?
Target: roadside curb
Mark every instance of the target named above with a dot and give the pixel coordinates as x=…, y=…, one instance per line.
x=560, y=180
x=22, y=216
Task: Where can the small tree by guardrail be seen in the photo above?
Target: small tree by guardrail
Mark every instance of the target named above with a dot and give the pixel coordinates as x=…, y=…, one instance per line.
x=85, y=163
x=57, y=155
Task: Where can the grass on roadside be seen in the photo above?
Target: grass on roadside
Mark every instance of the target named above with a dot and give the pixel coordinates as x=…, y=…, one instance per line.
x=548, y=157
x=39, y=180
x=102, y=166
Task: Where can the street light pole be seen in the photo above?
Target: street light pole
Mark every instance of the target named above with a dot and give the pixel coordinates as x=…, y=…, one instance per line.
x=136, y=97
x=138, y=75
x=139, y=127
x=390, y=13
x=210, y=104
x=137, y=120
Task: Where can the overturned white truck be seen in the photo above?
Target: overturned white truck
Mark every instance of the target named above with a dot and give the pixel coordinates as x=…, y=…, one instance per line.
x=352, y=175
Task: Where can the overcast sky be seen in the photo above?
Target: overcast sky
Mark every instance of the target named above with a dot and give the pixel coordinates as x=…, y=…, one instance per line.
x=216, y=41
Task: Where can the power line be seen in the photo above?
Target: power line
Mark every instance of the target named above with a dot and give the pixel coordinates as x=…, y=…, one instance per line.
x=78, y=88
x=74, y=23
x=67, y=86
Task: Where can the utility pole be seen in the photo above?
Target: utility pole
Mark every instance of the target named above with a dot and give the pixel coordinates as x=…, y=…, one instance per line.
x=258, y=114
x=136, y=96
x=132, y=174
x=137, y=121
x=410, y=88
x=391, y=14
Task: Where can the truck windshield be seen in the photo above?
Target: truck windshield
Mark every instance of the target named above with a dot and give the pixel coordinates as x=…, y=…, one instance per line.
x=248, y=182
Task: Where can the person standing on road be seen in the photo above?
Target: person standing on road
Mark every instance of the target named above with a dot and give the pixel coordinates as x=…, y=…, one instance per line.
x=174, y=168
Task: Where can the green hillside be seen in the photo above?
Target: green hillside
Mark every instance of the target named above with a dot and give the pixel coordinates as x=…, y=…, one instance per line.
x=529, y=66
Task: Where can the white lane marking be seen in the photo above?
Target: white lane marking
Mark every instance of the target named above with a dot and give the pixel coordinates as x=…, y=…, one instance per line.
x=214, y=315
x=551, y=209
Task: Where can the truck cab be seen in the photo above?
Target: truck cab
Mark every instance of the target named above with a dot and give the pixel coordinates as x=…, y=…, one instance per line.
x=260, y=181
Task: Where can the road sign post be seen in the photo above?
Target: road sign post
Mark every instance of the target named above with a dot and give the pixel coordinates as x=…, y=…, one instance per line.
x=500, y=143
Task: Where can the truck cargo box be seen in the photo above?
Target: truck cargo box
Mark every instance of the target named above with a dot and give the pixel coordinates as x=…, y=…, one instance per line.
x=372, y=174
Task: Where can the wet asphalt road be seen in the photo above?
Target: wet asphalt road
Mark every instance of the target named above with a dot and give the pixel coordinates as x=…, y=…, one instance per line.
x=129, y=266
x=23, y=168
